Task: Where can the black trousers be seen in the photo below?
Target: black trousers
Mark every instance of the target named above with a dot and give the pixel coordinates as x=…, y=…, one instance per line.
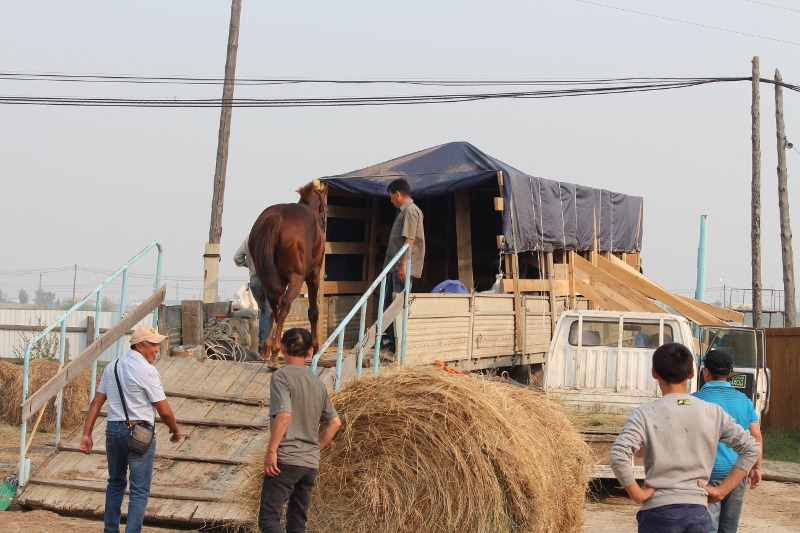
x=295, y=484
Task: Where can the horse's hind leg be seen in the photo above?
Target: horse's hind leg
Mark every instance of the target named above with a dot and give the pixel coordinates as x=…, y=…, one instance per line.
x=273, y=304
x=312, y=281
x=285, y=305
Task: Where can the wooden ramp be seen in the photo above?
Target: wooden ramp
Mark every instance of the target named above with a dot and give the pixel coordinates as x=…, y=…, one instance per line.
x=223, y=409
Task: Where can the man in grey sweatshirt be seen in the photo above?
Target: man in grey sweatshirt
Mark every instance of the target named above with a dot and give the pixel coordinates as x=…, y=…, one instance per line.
x=679, y=434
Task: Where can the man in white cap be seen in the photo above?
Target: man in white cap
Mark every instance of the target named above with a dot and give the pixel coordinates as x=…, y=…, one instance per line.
x=141, y=385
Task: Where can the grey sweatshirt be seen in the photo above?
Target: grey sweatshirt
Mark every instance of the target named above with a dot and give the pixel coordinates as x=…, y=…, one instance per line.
x=679, y=434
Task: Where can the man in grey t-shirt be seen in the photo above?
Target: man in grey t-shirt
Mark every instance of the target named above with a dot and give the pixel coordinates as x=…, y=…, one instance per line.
x=407, y=228
x=298, y=402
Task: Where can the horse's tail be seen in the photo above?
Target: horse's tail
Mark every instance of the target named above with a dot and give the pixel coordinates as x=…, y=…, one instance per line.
x=263, y=243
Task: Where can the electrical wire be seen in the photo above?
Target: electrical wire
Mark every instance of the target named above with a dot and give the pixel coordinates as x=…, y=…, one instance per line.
x=357, y=101
x=773, y=5
x=689, y=23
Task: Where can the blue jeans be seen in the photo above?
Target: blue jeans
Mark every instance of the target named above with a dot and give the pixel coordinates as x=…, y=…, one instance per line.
x=680, y=518
x=725, y=514
x=120, y=461
x=393, y=284
x=295, y=484
x=264, y=310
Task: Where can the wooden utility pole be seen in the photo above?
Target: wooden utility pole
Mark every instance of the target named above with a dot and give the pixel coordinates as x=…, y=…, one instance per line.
x=783, y=206
x=211, y=257
x=755, y=237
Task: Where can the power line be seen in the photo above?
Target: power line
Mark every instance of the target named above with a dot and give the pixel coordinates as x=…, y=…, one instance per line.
x=364, y=100
x=206, y=80
x=773, y=5
x=689, y=23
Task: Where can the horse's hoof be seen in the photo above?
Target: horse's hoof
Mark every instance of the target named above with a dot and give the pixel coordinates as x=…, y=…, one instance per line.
x=274, y=366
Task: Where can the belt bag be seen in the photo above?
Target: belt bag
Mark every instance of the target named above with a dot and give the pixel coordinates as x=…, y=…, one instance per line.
x=140, y=434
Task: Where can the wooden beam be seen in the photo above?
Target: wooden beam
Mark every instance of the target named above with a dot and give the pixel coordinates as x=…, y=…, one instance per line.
x=551, y=278
x=191, y=322
x=498, y=204
x=357, y=213
x=535, y=285
x=169, y=493
x=571, y=274
x=92, y=352
x=635, y=300
x=597, y=298
x=357, y=248
x=649, y=288
x=373, y=251
x=339, y=287
x=720, y=312
x=175, y=456
x=464, y=240
x=229, y=398
x=232, y=423
x=499, y=241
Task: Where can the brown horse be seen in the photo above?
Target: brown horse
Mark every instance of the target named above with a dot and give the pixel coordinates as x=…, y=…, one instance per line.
x=287, y=245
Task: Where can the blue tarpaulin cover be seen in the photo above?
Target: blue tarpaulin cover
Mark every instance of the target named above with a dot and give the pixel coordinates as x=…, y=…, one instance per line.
x=547, y=214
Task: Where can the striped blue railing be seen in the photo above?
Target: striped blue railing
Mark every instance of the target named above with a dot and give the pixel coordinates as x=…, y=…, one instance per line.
x=62, y=323
x=338, y=333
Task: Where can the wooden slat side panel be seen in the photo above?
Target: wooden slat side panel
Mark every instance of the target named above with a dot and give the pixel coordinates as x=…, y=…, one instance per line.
x=783, y=360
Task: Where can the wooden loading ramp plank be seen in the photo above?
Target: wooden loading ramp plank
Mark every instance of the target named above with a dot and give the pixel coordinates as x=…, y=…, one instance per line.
x=175, y=456
x=204, y=422
x=172, y=493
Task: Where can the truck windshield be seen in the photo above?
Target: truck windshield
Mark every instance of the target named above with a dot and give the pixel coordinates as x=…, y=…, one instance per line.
x=739, y=343
x=634, y=334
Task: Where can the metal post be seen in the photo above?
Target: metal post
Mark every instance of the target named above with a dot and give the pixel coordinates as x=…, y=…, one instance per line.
x=122, y=303
x=158, y=282
x=60, y=400
x=379, y=328
x=97, y=308
x=363, y=323
x=337, y=380
x=26, y=363
x=406, y=294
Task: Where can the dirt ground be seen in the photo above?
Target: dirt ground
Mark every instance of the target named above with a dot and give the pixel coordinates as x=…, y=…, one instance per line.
x=773, y=507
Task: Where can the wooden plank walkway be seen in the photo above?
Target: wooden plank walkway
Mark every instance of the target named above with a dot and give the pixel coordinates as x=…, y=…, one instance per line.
x=223, y=410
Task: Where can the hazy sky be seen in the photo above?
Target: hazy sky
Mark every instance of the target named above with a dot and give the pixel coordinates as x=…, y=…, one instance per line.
x=93, y=186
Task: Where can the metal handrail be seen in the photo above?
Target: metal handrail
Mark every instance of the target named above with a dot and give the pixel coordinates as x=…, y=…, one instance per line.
x=62, y=321
x=361, y=304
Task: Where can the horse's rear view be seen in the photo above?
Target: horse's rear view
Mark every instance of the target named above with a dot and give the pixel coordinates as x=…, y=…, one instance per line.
x=287, y=246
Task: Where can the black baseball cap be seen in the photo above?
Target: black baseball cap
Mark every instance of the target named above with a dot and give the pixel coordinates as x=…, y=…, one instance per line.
x=718, y=362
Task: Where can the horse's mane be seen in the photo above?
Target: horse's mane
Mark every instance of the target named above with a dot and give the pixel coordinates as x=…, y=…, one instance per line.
x=307, y=192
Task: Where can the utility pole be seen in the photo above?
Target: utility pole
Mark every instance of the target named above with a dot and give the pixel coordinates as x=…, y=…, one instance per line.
x=211, y=256
x=74, y=282
x=783, y=206
x=755, y=231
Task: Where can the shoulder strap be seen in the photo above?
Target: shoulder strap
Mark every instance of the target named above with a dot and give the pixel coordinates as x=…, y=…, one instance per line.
x=121, y=395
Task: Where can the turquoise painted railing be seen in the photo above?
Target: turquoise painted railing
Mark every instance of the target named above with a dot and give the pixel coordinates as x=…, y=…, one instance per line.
x=361, y=305
x=62, y=323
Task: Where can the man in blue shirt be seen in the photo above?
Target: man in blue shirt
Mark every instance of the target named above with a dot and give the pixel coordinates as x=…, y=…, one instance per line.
x=717, y=367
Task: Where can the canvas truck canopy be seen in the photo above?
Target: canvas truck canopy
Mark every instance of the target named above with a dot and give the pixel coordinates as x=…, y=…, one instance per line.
x=547, y=214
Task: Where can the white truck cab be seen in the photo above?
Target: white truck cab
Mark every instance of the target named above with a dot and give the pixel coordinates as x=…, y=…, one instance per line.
x=601, y=360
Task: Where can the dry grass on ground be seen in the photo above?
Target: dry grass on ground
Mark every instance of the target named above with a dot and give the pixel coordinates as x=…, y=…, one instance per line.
x=76, y=394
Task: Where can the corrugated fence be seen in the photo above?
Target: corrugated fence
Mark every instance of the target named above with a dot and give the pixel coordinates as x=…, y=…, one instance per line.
x=16, y=322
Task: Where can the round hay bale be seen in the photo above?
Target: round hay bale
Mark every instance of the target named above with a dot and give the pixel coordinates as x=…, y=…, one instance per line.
x=424, y=450
x=76, y=395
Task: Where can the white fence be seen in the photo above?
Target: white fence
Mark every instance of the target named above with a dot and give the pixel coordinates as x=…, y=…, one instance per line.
x=16, y=322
